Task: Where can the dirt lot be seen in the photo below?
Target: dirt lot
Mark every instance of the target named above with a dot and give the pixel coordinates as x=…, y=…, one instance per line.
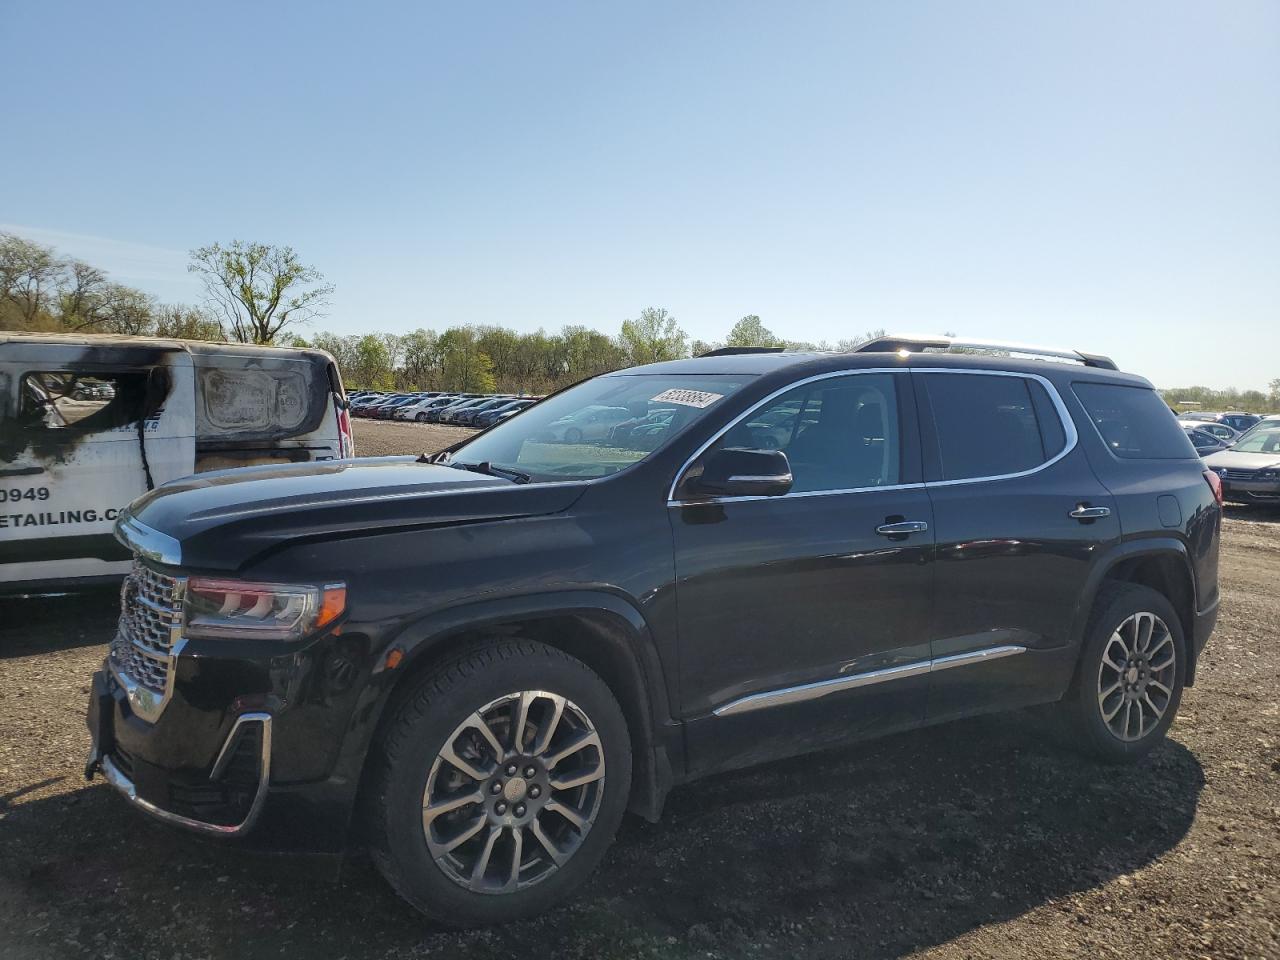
x=982, y=839
x=381, y=438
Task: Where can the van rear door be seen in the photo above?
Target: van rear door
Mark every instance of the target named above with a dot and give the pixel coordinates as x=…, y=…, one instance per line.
x=83, y=431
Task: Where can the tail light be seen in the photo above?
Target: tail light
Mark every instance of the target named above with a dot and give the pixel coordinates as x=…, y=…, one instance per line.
x=1215, y=484
x=346, y=441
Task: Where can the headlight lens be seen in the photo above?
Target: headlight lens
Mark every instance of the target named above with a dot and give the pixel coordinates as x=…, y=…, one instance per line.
x=260, y=611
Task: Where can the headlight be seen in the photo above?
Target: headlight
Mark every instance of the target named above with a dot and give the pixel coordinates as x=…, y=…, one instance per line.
x=260, y=611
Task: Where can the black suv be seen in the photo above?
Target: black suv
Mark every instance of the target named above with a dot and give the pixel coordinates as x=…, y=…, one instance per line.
x=474, y=662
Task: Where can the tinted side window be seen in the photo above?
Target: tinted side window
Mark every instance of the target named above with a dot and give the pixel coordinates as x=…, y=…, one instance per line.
x=988, y=426
x=839, y=434
x=1134, y=422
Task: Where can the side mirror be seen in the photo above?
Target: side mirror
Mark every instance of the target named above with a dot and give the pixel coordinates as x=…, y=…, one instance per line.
x=735, y=472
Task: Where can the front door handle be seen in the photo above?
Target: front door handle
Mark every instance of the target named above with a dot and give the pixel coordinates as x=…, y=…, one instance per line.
x=1082, y=512
x=902, y=528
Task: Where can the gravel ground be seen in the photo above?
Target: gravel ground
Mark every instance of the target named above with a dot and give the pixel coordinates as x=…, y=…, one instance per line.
x=381, y=438
x=982, y=839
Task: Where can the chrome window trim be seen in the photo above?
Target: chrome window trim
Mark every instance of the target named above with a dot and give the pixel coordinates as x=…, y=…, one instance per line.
x=679, y=475
x=1068, y=425
x=116, y=777
x=1068, y=428
x=821, y=688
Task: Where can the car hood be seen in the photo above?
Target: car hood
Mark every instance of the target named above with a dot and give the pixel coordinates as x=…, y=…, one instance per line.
x=1240, y=460
x=223, y=519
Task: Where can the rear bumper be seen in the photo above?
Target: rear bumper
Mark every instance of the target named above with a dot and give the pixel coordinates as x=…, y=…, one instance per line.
x=1201, y=628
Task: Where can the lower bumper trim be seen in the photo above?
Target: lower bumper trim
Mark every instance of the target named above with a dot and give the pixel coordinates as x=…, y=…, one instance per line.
x=117, y=778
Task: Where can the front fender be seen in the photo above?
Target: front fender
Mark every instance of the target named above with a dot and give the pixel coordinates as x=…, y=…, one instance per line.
x=626, y=644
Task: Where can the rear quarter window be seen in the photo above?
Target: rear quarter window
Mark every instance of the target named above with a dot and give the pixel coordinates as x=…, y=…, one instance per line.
x=1134, y=422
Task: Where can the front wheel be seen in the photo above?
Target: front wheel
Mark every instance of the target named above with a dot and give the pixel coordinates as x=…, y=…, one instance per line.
x=1130, y=678
x=501, y=779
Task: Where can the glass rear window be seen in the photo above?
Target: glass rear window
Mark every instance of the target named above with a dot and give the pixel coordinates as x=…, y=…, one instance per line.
x=1134, y=422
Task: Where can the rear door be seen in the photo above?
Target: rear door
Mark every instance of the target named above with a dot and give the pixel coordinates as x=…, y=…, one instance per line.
x=1019, y=516
x=81, y=438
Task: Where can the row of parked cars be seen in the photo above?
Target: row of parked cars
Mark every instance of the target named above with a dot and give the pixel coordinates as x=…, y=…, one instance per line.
x=1243, y=449
x=1212, y=432
x=461, y=409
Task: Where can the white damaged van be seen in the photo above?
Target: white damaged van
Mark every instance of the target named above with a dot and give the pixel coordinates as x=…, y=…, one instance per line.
x=88, y=423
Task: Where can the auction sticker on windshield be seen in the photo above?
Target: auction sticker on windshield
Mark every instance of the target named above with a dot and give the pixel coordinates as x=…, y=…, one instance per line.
x=688, y=398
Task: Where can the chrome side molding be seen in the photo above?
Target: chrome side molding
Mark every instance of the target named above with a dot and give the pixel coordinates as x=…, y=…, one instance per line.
x=822, y=688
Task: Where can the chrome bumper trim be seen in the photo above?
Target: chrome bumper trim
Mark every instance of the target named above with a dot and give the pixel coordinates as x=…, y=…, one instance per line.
x=821, y=688
x=126, y=786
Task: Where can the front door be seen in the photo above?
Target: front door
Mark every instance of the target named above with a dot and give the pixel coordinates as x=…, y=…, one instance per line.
x=799, y=623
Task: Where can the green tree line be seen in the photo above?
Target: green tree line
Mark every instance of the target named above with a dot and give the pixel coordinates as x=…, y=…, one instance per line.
x=1191, y=399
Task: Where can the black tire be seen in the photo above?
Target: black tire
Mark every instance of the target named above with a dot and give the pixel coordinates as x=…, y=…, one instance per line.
x=421, y=418
x=428, y=716
x=1084, y=706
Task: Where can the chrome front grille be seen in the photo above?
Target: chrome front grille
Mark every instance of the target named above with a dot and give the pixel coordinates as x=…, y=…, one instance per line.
x=150, y=624
x=1238, y=474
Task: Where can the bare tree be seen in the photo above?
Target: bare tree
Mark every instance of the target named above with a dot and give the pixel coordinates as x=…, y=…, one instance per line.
x=29, y=273
x=259, y=289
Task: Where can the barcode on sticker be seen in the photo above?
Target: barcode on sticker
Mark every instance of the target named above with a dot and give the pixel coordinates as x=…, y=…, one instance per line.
x=687, y=398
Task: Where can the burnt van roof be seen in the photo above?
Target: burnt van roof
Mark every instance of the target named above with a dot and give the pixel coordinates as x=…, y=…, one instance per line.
x=99, y=341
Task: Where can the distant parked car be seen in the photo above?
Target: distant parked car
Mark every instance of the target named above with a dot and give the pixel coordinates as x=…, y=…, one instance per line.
x=455, y=413
x=1240, y=422
x=1204, y=441
x=437, y=414
x=1250, y=470
x=418, y=411
x=467, y=418
x=487, y=418
x=1214, y=428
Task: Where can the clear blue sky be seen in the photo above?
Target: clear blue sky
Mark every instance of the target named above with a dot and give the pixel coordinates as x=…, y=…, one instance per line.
x=1099, y=175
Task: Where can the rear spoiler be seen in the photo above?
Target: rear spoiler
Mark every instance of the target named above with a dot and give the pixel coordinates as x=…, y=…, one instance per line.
x=915, y=344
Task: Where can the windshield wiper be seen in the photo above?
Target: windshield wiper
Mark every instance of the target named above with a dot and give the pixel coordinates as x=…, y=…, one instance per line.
x=488, y=468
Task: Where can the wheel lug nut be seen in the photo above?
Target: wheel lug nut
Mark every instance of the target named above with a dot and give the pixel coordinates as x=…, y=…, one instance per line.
x=530, y=772
x=519, y=809
x=535, y=791
x=511, y=769
x=499, y=808
x=495, y=787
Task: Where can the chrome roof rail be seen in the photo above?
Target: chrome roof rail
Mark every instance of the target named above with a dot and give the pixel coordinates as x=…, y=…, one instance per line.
x=914, y=344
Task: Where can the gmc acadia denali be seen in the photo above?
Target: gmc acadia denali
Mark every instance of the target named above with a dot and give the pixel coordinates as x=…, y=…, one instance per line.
x=472, y=663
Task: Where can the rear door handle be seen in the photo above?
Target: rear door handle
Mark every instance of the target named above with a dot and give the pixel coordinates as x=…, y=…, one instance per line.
x=1082, y=512
x=901, y=528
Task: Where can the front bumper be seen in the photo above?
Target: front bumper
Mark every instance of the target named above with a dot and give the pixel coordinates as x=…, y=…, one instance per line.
x=230, y=778
x=225, y=802
x=1251, y=491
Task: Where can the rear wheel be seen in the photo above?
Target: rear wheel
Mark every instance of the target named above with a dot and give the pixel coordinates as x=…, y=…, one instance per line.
x=421, y=418
x=1130, y=678
x=502, y=778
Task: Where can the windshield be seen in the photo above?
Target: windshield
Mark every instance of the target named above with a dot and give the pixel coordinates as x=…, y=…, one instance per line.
x=599, y=427
x=1264, y=438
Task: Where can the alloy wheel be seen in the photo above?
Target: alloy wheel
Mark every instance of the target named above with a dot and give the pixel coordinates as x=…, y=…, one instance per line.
x=1136, y=676
x=513, y=792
